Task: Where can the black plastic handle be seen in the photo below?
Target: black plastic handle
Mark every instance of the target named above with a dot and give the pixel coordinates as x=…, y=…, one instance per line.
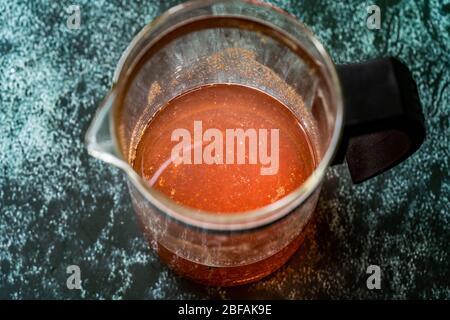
x=383, y=121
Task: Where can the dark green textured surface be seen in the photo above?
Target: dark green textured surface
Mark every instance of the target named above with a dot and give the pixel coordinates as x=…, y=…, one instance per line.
x=59, y=207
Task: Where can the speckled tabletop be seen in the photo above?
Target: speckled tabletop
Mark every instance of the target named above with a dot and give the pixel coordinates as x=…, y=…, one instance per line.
x=59, y=206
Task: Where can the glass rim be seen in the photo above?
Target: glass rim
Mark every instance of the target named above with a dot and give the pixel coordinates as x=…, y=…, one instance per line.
x=235, y=221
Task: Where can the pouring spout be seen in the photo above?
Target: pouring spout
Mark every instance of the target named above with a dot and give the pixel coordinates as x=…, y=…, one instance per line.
x=99, y=137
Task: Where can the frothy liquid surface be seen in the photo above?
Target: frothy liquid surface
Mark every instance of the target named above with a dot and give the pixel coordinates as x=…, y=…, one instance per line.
x=224, y=187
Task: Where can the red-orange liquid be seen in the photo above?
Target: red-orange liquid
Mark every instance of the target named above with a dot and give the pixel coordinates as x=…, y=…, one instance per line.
x=224, y=187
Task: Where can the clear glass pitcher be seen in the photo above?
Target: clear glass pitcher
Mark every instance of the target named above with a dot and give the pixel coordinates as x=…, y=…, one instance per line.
x=260, y=46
